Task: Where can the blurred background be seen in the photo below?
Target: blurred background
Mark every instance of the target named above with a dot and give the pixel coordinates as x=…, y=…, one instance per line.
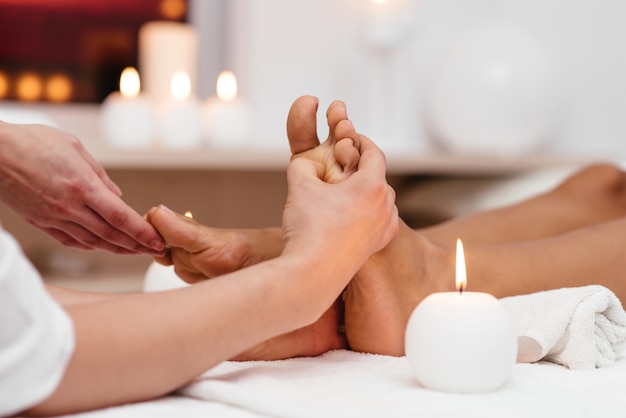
x=477, y=103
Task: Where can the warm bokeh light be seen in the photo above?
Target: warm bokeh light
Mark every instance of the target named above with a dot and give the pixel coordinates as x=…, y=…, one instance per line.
x=226, y=86
x=4, y=85
x=180, y=86
x=461, y=273
x=173, y=9
x=129, y=82
x=59, y=88
x=189, y=215
x=29, y=87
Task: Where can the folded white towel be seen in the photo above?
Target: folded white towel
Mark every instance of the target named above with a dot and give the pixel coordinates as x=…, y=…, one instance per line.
x=581, y=328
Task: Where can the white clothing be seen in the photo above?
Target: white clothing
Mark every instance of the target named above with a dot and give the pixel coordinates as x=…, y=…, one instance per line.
x=36, y=335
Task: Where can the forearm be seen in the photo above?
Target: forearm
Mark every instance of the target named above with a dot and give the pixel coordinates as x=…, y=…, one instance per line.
x=72, y=297
x=136, y=347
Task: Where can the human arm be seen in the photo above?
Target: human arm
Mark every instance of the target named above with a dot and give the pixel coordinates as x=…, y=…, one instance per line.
x=71, y=297
x=140, y=346
x=48, y=177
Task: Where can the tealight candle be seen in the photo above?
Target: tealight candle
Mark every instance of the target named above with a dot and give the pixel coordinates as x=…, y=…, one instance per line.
x=227, y=118
x=388, y=22
x=179, y=118
x=159, y=277
x=461, y=341
x=127, y=116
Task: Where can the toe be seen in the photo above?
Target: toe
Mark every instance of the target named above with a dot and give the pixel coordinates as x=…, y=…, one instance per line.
x=302, y=124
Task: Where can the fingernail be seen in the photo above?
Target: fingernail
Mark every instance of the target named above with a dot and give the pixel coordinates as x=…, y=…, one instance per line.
x=157, y=245
x=166, y=209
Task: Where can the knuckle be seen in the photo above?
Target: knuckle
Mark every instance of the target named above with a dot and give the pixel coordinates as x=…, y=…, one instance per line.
x=90, y=240
x=118, y=218
x=55, y=208
x=111, y=234
x=78, y=187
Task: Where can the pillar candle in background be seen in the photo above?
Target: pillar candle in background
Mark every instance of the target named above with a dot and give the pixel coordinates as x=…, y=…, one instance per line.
x=128, y=116
x=179, y=122
x=388, y=30
x=164, y=48
x=227, y=118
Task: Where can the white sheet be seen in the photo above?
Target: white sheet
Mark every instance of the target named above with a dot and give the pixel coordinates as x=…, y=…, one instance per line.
x=348, y=384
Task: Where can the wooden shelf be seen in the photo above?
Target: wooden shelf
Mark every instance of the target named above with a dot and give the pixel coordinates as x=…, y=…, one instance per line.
x=83, y=120
x=229, y=184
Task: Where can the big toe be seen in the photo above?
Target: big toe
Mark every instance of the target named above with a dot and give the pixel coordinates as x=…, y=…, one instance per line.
x=302, y=124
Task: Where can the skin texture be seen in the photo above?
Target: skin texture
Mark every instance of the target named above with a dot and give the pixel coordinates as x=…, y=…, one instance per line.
x=48, y=177
x=140, y=346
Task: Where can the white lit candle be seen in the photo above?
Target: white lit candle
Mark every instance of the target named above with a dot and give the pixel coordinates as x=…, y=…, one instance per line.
x=461, y=341
x=179, y=118
x=164, y=48
x=159, y=277
x=389, y=32
x=227, y=118
x=388, y=22
x=127, y=116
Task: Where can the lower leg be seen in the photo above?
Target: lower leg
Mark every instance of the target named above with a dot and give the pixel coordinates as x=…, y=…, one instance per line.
x=388, y=287
x=384, y=293
x=594, y=194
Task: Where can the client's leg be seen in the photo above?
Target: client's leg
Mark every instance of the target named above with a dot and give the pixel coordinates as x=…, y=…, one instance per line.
x=389, y=286
x=382, y=296
x=221, y=251
x=594, y=194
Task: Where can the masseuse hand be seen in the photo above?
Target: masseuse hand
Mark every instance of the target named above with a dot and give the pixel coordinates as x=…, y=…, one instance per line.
x=201, y=252
x=48, y=177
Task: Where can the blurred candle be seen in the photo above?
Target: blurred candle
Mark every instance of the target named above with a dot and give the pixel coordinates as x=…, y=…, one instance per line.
x=388, y=22
x=461, y=341
x=164, y=48
x=159, y=277
x=227, y=117
x=4, y=85
x=179, y=117
x=128, y=116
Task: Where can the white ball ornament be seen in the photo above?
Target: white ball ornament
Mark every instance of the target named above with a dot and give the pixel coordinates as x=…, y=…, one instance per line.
x=495, y=92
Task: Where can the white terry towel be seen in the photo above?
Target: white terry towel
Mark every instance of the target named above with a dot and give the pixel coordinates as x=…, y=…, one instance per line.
x=581, y=327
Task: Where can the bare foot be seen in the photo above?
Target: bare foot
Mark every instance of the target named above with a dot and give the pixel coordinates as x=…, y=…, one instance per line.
x=384, y=292
x=310, y=341
x=380, y=299
x=338, y=154
x=199, y=252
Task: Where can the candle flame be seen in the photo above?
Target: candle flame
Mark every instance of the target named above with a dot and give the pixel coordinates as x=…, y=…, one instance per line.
x=226, y=86
x=129, y=82
x=29, y=86
x=188, y=215
x=180, y=86
x=461, y=273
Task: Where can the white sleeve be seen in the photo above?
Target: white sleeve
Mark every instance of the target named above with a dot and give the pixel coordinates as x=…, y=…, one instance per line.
x=36, y=335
